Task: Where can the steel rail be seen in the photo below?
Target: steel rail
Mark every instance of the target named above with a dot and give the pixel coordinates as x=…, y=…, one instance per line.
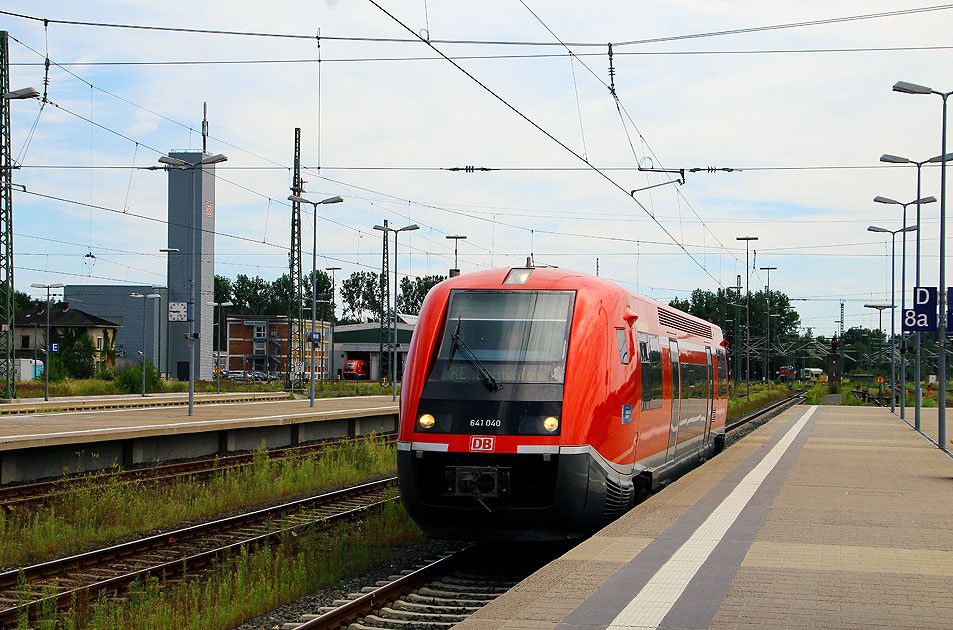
x=763, y=410
x=367, y=603
x=20, y=408
x=11, y=579
x=13, y=497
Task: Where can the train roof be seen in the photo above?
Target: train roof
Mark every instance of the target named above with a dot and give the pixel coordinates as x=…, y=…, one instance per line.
x=554, y=278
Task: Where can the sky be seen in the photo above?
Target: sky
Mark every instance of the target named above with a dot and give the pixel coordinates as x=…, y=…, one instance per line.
x=798, y=117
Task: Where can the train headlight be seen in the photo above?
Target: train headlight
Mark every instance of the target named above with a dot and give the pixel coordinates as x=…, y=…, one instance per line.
x=551, y=424
x=426, y=421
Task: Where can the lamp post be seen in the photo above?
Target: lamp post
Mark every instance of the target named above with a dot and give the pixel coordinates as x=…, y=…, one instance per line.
x=456, y=240
x=903, y=297
x=893, y=291
x=767, y=330
x=913, y=88
x=314, y=272
x=747, y=239
x=880, y=308
x=896, y=159
x=145, y=298
x=386, y=229
x=46, y=367
x=218, y=367
x=172, y=162
x=333, y=317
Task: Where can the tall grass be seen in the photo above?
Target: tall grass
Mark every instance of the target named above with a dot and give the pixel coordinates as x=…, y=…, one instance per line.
x=739, y=405
x=251, y=583
x=106, y=509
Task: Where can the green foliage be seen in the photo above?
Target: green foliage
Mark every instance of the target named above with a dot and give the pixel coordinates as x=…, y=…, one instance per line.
x=814, y=395
x=362, y=295
x=104, y=509
x=129, y=380
x=739, y=405
x=413, y=292
x=256, y=581
x=58, y=371
x=105, y=374
x=77, y=351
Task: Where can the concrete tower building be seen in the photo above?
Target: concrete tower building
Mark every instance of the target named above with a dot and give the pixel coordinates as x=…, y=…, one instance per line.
x=191, y=270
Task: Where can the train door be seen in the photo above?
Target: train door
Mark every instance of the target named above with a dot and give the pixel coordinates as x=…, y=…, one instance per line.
x=710, y=407
x=676, y=399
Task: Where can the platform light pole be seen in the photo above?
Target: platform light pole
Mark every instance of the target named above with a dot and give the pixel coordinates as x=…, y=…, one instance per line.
x=314, y=272
x=912, y=88
x=747, y=240
x=456, y=241
x=386, y=229
x=172, y=162
x=903, y=301
x=46, y=367
x=333, y=317
x=893, y=293
x=896, y=159
x=218, y=366
x=767, y=330
x=145, y=303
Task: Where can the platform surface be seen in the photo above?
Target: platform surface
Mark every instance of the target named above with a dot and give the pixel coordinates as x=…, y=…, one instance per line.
x=77, y=427
x=825, y=517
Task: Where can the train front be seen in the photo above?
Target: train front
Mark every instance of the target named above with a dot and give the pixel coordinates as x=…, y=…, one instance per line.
x=482, y=412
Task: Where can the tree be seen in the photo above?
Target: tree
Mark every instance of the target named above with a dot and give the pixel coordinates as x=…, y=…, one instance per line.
x=76, y=352
x=325, y=310
x=413, y=292
x=252, y=295
x=361, y=295
x=223, y=289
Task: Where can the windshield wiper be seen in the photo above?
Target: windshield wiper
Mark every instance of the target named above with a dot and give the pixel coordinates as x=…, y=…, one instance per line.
x=485, y=377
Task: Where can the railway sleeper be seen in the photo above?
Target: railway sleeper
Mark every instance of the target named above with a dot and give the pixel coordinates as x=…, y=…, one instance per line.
x=444, y=610
x=456, y=594
x=374, y=621
x=421, y=615
x=482, y=582
x=485, y=589
x=443, y=600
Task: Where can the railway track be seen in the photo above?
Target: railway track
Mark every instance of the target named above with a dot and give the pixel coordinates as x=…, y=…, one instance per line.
x=27, y=496
x=436, y=595
x=793, y=399
x=82, y=577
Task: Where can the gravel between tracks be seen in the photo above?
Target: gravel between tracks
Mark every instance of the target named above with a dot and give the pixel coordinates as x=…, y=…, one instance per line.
x=405, y=558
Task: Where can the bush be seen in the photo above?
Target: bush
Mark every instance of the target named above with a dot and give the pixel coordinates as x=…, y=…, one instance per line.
x=105, y=374
x=129, y=380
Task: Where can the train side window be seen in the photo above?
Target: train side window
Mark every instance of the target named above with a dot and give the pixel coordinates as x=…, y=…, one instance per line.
x=722, y=374
x=651, y=354
x=623, y=346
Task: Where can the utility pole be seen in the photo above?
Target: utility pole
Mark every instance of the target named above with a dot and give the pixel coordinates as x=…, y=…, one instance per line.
x=385, y=302
x=295, y=312
x=735, y=352
x=6, y=232
x=767, y=330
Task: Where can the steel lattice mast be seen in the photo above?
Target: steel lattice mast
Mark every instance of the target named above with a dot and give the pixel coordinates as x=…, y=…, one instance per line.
x=385, y=303
x=295, y=312
x=6, y=231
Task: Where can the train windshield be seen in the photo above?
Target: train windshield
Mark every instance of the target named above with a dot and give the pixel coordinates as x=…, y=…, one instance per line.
x=514, y=336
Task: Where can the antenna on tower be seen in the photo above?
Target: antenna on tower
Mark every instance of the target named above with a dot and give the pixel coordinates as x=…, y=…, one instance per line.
x=204, y=127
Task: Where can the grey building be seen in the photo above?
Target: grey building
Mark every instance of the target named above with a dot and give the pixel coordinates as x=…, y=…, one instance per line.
x=191, y=270
x=114, y=303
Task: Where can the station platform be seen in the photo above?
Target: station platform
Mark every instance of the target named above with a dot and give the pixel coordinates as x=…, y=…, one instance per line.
x=824, y=517
x=39, y=445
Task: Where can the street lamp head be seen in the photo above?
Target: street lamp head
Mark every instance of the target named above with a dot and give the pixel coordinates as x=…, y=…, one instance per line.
x=334, y=199
x=153, y=296
x=941, y=158
x=171, y=161
x=874, y=228
x=922, y=200
x=894, y=159
x=332, y=269
x=136, y=295
x=169, y=250
x=457, y=237
x=746, y=238
x=911, y=88
x=879, y=199
x=382, y=228
x=912, y=228
x=55, y=285
x=22, y=93
x=879, y=306
x=408, y=228
x=227, y=304
x=213, y=159
x=299, y=199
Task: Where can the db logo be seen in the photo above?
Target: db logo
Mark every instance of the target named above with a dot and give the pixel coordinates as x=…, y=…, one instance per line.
x=478, y=443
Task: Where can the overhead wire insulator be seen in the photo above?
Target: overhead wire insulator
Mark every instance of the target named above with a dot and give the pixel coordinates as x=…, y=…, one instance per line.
x=611, y=73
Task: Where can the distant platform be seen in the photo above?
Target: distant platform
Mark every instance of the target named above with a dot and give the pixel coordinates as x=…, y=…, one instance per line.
x=40, y=445
x=825, y=517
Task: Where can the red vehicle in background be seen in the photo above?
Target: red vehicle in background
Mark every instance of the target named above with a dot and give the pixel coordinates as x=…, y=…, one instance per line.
x=354, y=370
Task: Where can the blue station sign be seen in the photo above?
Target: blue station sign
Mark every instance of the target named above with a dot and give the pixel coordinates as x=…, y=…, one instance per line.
x=922, y=317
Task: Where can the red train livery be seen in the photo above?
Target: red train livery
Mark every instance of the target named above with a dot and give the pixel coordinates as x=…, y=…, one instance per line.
x=539, y=403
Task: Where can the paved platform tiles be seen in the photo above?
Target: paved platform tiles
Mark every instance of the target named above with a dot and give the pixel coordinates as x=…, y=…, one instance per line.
x=77, y=427
x=849, y=527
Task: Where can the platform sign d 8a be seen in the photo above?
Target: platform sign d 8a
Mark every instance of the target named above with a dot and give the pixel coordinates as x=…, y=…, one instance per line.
x=922, y=317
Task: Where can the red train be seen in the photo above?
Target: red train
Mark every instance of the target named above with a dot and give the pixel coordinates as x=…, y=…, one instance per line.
x=539, y=403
